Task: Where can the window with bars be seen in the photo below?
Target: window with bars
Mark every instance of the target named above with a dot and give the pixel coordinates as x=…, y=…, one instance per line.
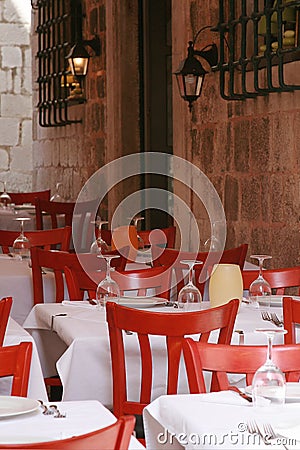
x=255, y=35
x=59, y=26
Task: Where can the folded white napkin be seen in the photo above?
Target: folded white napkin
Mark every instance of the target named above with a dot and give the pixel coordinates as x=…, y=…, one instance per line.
x=78, y=303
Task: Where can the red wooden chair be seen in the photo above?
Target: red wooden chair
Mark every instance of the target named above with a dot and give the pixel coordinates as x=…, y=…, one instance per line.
x=172, y=326
x=19, y=198
x=15, y=361
x=53, y=209
x=58, y=260
x=291, y=318
x=5, y=308
x=223, y=359
x=170, y=257
x=113, y=437
x=280, y=279
x=56, y=238
x=139, y=281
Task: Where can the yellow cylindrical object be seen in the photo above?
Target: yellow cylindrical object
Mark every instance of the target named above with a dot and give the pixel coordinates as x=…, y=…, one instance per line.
x=225, y=284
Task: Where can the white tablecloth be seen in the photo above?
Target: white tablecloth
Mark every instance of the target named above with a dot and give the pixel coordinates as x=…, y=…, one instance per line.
x=36, y=388
x=8, y=222
x=215, y=421
x=81, y=418
x=16, y=282
x=83, y=359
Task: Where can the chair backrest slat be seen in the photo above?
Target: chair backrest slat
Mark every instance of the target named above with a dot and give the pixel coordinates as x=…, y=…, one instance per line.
x=223, y=359
x=15, y=361
x=291, y=318
x=279, y=279
x=19, y=198
x=5, y=308
x=171, y=258
x=58, y=238
x=58, y=261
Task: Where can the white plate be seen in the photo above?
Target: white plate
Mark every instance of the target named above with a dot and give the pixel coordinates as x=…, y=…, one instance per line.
x=26, y=206
x=292, y=392
x=14, y=406
x=142, y=301
x=275, y=300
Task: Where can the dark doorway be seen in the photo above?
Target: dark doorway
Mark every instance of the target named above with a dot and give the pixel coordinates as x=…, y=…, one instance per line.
x=156, y=95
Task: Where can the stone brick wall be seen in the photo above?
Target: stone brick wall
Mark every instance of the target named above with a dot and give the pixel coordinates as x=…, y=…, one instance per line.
x=109, y=127
x=249, y=149
x=15, y=95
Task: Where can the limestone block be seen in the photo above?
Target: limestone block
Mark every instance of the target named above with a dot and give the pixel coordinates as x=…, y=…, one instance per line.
x=16, y=105
x=11, y=57
x=27, y=80
x=26, y=136
x=6, y=80
x=4, y=160
x=17, y=181
x=17, y=81
x=21, y=159
x=9, y=131
x=17, y=12
x=14, y=34
x=28, y=58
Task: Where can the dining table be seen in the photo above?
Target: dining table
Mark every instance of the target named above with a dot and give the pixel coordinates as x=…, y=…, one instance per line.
x=16, y=282
x=8, y=217
x=36, y=388
x=23, y=420
x=83, y=359
x=220, y=420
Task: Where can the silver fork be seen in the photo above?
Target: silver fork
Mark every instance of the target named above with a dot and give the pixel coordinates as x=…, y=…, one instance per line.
x=56, y=413
x=276, y=320
x=266, y=316
x=270, y=433
x=253, y=428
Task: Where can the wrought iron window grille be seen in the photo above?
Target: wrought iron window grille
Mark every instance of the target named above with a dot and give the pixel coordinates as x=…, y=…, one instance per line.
x=257, y=39
x=59, y=26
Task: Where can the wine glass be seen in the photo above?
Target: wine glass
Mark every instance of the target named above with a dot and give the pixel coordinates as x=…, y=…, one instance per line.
x=56, y=197
x=140, y=240
x=99, y=246
x=269, y=382
x=260, y=287
x=5, y=198
x=189, y=294
x=21, y=245
x=108, y=289
x=212, y=243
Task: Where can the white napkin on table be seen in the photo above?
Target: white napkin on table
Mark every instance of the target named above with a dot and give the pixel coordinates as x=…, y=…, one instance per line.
x=78, y=303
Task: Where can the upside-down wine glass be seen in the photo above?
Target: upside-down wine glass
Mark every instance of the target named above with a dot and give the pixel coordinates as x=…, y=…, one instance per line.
x=268, y=384
x=136, y=221
x=5, y=198
x=99, y=246
x=212, y=243
x=56, y=197
x=21, y=245
x=260, y=287
x=108, y=289
x=189, y=296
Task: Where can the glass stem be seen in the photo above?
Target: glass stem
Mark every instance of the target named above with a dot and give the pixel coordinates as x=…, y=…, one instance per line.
x=22, y=228
x=269, y=351
x=108, y=268
x=260, y=261
x=190, y=274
